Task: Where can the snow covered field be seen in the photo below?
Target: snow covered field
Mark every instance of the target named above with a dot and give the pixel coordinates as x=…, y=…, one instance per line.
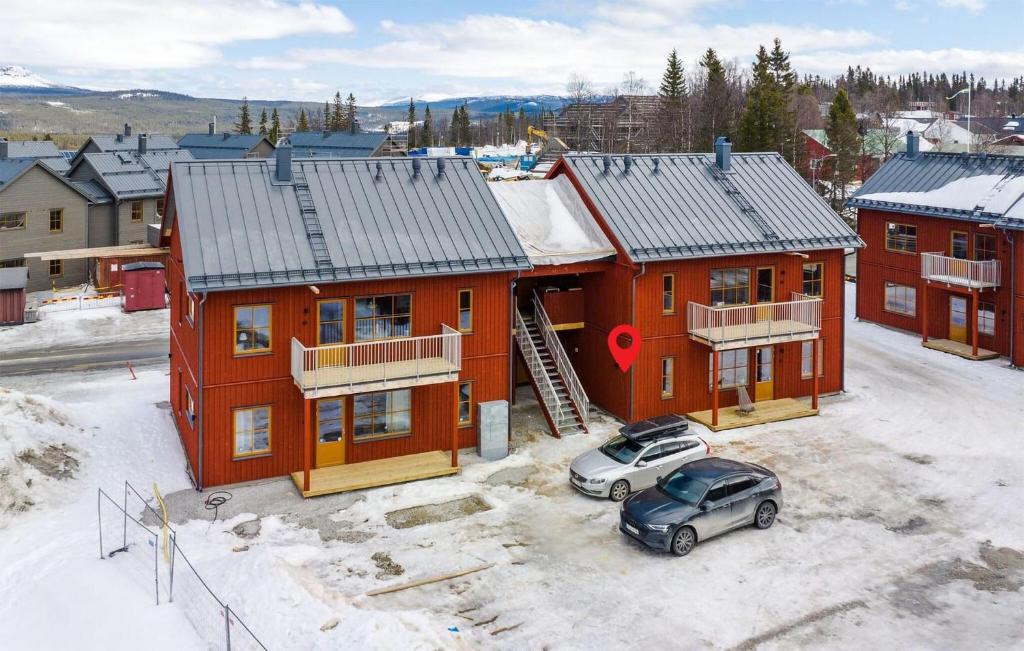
x=902, y=528
x=102, y=325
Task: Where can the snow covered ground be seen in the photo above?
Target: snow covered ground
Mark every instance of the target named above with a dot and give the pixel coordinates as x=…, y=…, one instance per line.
x=902, y=528
x=84, y=327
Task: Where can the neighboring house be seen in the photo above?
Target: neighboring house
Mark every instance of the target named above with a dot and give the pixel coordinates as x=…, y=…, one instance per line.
x=211, y=145
x=877, y=145
x=343, y=144
x=945, y=132
x=123, y=142
x=944, y=254
x=44, y=150
x=134, y=181
x=627, y=123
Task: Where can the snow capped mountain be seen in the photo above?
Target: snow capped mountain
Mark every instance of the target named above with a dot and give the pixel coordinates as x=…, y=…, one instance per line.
x=23, y=78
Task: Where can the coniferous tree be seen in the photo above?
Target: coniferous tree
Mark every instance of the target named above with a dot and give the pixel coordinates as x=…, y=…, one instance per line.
x=759, y=122
x=787, y=134
x=453, y=128
x=411, y=119
x=338, y=114
x=263, y=122
x=465, y=127
x=244, y=124
x=303, y=123
x=275, y=127
x=714, y=116
x=844, y=142
x=672, y=93
x=350, y=112
x=427, y=133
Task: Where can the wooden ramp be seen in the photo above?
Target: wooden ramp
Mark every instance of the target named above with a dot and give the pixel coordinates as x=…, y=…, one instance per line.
x=368, y=474
x=959, y=349
x=767, y=411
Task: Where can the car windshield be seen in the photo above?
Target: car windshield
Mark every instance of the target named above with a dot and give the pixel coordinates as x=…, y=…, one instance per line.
x=683, y=487
x=622, y=449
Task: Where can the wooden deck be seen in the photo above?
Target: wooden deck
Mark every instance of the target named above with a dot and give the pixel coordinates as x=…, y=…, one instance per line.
x=346, y=380
x=761, y=333
x=767, y=411
x=959, y=349
x=368, y=474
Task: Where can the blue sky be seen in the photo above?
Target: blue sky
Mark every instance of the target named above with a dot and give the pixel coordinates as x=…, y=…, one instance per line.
x=387, y=49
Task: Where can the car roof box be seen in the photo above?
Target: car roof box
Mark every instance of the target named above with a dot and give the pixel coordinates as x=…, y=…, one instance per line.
x=653, y=428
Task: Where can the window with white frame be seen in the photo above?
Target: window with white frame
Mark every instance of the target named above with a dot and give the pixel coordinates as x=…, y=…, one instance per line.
x=986, y=318
x=807, y=358
x=733, y=369
x=900, y=299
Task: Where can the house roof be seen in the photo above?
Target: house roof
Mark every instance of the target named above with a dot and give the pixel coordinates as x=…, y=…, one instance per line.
x=11, y=169
x=130, y=175
x=220, y=145
x=677, y=206
x=242, y=228
x=972, y=187
x=307, y=144
x=32, y=149
x=121, y=142
x=13, y=278
x=92, y=189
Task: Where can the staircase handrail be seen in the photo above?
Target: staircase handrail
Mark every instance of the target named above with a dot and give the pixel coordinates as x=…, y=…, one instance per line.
x=565, y=368
x=536, y=368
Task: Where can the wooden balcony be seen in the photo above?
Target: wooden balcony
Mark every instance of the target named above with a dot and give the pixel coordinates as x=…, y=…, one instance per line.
x=344, y=369
x=971, y=274
x=744, y=326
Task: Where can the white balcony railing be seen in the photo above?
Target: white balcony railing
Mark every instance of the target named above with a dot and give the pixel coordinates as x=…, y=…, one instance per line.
x=974, y=274
x=742, y=326
x=340, y=369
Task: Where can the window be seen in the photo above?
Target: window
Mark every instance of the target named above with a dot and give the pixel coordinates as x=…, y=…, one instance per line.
x=653, y=453
x=901, y=238
x=465, y=310
x=331, y=319
x=900, y=299
x=252, y=329
x=190, y=407
x=718, y=492
x=12, y=262
x=56, y=220
x=465, y=403
x=814, y=273
x=807, y=358
x=252, y=431
x=667, y=378
x=383, y=317
x=382, y=414
x=737, y=486
x=986, y=318
x=730, y=287
x=11, y=221
x=136, y=211
x=190, y=301
x=160, y=207
x=330, y=420
x=958, y=245
x=984, y=247
x=733, y=369
x=765, y=284
x=56, y=268
x=668, y=294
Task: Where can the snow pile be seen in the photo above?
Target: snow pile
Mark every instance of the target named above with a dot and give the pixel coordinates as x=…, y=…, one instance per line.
x=506, y=174
x=985, y=192
x=518, y=149
x=33, y=455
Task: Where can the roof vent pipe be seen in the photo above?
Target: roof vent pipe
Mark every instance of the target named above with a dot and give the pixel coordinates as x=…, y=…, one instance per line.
x=226, y=135
x=440, y=167
x=380, y=171
x=143, y=142
x=212, y=128
x=127, y=129
x=723, y=153
x=913, y=144
x=657, y=161
x=284, y=163
x=607, y=164
x=627, y=162
x=3, y=148
x=415, y=167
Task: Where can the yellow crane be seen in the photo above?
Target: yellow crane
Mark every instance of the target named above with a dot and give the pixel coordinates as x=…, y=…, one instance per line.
x=541, y=134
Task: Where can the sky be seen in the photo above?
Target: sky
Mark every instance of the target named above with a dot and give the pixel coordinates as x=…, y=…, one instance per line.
x=384, y=50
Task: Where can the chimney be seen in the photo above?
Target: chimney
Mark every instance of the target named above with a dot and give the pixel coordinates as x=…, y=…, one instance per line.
x=723, y=153
x=607, y=160
x=127, y=130
x=284, y=163
x=143, y=142
x=913, y=144
x=440, y=167
x=226, y=135
x=212, y=128
x=3, y=149
x=415, y=167
x=627, y=162
x=657, y=162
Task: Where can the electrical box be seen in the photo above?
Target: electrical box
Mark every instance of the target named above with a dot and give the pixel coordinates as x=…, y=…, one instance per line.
x=492, y=440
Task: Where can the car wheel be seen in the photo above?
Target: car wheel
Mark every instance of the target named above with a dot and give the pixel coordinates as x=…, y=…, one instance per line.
x=619, y=491
x=683, y=541
x=764, y=517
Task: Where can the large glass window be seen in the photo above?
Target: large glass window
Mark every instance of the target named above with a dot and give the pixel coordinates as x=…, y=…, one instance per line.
x=984, y=246
x=900, y=299
x=465, y=310
x=12, y=221
x=383, y=317
x=252, y=431
x=330, y=421
x=331, y=319
x=668, y=294
x=986, y=318
x=382, y=414
x=958, y=245
x=807, y=358
x=465, y=403
x=730, y=287
x=733, y=369
x=252, y=329
x=901, y=237
x=814, y=274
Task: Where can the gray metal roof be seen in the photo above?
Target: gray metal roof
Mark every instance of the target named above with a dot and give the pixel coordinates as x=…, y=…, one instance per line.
x=92, y=189
x=11, y=169
x=240, y=227
x=328, y=144
x=676, y=206
x=13, y=278
x=120, y=142
x=128, y=175
x=32, y=149
x=977, y=187
x=220, y=145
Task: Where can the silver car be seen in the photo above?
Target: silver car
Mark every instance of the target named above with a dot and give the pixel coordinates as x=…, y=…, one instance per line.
x=635, y=458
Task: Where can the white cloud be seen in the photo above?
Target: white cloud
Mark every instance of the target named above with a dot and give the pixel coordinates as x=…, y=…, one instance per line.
x=973, y=6
x=132, y=34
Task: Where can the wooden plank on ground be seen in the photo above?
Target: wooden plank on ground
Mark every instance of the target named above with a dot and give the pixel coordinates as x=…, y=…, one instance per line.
x=428, y=580
x=124, y=251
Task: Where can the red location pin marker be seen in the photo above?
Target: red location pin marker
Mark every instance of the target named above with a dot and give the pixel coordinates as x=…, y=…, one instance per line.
x=624, y=345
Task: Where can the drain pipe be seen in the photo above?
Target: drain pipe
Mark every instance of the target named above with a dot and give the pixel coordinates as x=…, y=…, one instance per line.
x=632, y=322
x=1013, y=294
x=201, y=415
x=512, y=349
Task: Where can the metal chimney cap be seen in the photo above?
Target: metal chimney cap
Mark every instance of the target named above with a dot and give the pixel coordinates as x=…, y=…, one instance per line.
x=416, y=167
x=212, y=128
x=440, y=166
x=627, y=162
x=607, y=160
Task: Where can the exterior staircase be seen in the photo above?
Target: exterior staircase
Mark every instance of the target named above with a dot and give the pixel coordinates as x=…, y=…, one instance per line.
x=561, y=396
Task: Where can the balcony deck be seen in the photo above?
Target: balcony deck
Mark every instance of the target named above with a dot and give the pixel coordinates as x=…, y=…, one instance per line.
x=761, y=333
x=767, y=411
x=969, y=274
x=762, y=324
x=959, y=349
x=328, y=382
x=369, y=474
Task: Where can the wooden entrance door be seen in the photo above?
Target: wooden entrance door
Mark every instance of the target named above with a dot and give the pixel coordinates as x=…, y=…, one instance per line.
x=330, y=432
x=764, y=374
x=958, y=319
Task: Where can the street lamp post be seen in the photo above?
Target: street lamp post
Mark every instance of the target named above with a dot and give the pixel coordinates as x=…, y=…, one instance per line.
x=970, y=135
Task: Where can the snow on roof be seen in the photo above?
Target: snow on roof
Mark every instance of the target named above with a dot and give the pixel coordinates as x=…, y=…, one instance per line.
x=551, y=221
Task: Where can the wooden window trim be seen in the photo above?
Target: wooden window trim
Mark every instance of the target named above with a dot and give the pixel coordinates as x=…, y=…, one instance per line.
x=900, y=251
x=60, y=218
x=355, y=319
x=967, y=244
x=671, y=375
x=8, y=215
x=469, y=291
x=885, y=302
x=142, y=211
x=469, y=420
x=994, y=249
x=388, y=435
x=344, y=316
x=670, y=293
x=341, y=417
x=821, y=292
x=190, y=407
x=190, y=308
x=728, y=287
x=722, y=368
x=981, y=332
x=255, y=454
x=270, y=331
x=757, y=284
x=60, y=268
x=820, y=343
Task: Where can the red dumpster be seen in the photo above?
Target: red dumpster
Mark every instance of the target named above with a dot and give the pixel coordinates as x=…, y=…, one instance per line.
x=144, y=286
x=12, y=295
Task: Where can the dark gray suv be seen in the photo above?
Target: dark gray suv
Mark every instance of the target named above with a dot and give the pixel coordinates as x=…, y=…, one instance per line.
x=699, y=500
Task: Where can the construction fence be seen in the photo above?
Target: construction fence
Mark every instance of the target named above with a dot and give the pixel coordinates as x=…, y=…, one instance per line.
x=80, y=302
x=153, y=557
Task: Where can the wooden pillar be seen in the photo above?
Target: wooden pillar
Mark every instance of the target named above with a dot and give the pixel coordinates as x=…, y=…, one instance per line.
x=814, y=372
x=924, y=313
x=974, y=322
x=307, y=441
x=714, y=388
x=455, y=426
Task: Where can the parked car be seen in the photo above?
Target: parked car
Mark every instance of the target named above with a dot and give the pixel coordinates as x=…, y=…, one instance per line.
x=636, y=457
x=701, y=499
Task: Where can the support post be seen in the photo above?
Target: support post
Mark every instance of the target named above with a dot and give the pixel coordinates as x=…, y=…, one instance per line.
x=99, y=517
x=714, y=388
x=924, y=314
x=307, y=441
x=227, y=627
x=814, y=372
x=455, y=427
x=974, y=322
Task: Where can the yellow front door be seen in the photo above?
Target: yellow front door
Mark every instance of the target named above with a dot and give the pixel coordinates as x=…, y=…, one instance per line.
x=958, y=319
x=764, y=385
x=330, y=432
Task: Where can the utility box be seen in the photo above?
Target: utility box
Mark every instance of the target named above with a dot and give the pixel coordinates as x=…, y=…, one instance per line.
x=144, y=286
x=492, y=441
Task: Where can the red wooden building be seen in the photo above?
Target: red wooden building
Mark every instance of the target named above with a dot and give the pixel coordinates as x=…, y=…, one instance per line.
x=943, y=255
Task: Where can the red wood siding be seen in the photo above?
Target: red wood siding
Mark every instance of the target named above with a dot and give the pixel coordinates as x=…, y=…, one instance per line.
x=564, y=307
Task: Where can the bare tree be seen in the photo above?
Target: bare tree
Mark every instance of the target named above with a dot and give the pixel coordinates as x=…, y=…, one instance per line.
x=580, y=92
